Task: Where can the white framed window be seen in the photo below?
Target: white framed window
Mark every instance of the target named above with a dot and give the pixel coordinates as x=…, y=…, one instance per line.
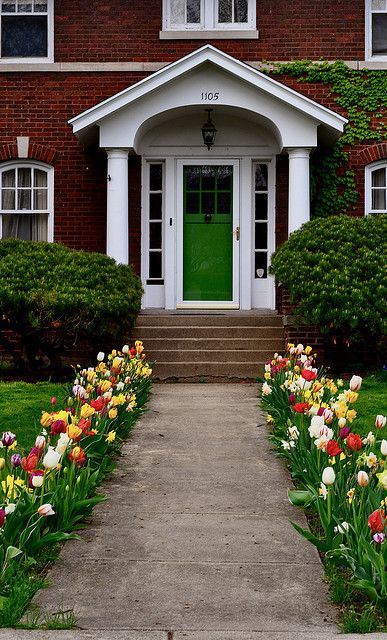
x=376, y=29
x=26, y=30
x=376, y=188
x=26, y=201
x=214, y=16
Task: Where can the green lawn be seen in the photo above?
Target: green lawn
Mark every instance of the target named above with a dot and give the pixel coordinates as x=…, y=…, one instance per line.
x=21, y=405
x=372, y=401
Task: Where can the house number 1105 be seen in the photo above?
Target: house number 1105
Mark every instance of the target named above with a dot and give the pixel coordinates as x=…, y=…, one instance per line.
x=210, y=95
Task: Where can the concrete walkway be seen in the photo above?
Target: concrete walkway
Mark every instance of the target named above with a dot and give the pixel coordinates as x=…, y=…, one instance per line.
x=195, y=541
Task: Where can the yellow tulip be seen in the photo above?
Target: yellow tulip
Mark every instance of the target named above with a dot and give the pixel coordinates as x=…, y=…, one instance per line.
x=73, y=431
x=105, y=386
x=87, y=411
x=112, y=414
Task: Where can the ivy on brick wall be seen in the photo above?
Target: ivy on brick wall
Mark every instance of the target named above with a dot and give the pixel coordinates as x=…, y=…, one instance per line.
x=363, y=96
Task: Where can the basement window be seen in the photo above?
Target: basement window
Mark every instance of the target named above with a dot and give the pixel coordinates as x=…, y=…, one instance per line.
x=26, y=31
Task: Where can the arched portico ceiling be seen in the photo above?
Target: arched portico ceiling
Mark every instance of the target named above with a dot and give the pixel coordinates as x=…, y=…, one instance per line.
x=208, y=77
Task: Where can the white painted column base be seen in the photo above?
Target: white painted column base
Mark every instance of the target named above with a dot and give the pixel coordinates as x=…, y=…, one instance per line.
x=117, y=224
x=299, y=188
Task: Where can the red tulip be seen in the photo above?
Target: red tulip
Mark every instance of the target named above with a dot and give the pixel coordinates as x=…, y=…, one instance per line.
x=98, y=404
x=301, y=407
x=30, y=463
x=354, y=442
x=309, y=375
x=376, y=521
x=333, y=448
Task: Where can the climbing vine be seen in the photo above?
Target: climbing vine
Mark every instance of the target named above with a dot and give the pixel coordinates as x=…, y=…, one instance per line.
x=363, y=96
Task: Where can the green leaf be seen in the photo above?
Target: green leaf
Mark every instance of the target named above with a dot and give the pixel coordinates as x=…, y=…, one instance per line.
x=300, y=498
x=320, y=544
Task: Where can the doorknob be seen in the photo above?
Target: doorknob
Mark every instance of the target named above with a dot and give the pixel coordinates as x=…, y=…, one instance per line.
x=237, y=233
x=207, y=217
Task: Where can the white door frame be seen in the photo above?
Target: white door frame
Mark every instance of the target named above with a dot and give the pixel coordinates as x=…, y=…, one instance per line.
x=200, y=304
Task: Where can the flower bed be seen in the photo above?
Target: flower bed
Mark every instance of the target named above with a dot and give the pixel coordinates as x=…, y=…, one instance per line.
x=339, y=473
x=47, y=492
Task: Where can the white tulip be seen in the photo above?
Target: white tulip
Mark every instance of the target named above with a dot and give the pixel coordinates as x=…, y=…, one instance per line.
x=10, y=508
x=342, y=422
x=266, y=389
x=328, y=476
x=37, y=481
x=380, y=422
x=316, y=424
x=51, y=459
x=125, y=348
x=383, y=448
x=362, y=479
x=355, y=383
x=100, y=356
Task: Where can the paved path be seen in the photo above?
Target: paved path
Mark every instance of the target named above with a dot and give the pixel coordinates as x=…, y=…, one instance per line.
x=195, y=541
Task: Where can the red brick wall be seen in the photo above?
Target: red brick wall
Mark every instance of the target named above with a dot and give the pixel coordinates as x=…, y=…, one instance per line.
x=123, y=30
x=48, y=101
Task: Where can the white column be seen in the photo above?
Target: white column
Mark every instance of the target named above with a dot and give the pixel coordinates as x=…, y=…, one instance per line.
x=299, y=188
x=117, y=226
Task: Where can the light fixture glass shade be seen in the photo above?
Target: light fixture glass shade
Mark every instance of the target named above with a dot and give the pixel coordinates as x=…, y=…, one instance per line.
x=209, y=131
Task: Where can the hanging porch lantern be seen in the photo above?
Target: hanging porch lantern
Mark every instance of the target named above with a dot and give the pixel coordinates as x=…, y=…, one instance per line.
x=209, y=131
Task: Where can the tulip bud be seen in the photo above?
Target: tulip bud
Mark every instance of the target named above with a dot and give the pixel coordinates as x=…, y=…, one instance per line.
x=362, y=479
x=15, y=460
x=2, y=464
x=383, y=448
x=100, y=356
x=355, y=383
x=380, y=422
x=328, y=476
x=342, y=422
x=46, y=510
x=40, y=442
x=53, y=401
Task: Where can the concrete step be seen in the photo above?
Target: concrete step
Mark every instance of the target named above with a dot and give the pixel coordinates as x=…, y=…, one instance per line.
x=163, y=356
x=178, y=320
x=215, y=331
x=207, y=370
x=209, y=344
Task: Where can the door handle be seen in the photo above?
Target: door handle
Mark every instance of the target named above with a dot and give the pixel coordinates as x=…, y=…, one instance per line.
x=237, y=233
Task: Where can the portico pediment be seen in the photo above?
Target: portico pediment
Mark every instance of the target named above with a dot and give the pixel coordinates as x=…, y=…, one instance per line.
x=208, y=77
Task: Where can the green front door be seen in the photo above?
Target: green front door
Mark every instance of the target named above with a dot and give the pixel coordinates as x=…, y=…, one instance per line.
x=207, y=232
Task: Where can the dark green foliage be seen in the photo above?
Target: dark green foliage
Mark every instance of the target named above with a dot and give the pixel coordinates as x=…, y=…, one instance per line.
x=362, y=95
x=52, y=297
x=336, y=272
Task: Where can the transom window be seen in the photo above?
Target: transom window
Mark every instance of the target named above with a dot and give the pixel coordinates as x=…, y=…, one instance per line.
x=209, y=14
x=26, y=30
x=376, y=28
x=25, y=202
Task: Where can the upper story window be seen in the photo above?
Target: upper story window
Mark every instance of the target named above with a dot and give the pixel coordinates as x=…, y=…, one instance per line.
x=209, y=15
x=26, y=30
x=26, y=201
x=376, y=29
x=376, y=188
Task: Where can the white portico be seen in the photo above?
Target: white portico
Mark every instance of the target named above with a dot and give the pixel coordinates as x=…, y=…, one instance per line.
x=208, y=216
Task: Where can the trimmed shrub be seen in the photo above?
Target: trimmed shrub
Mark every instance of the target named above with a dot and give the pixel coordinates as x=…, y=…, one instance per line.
x=51, y=297
x=336, y=272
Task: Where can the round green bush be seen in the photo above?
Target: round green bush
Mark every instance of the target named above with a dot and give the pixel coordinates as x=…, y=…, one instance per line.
x=336, y=272
x=51, y=297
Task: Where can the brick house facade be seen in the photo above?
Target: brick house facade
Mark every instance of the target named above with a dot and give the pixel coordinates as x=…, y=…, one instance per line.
x=100, y=133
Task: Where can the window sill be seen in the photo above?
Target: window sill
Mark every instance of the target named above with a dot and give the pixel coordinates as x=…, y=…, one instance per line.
x=25, y=61
x=216, y=34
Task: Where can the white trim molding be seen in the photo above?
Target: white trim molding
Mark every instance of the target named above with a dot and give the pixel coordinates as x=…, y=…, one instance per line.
x=369, y=11
x=268, y=88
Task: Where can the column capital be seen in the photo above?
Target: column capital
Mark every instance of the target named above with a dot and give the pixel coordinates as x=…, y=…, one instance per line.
x=299, y=152
x=119, y=153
